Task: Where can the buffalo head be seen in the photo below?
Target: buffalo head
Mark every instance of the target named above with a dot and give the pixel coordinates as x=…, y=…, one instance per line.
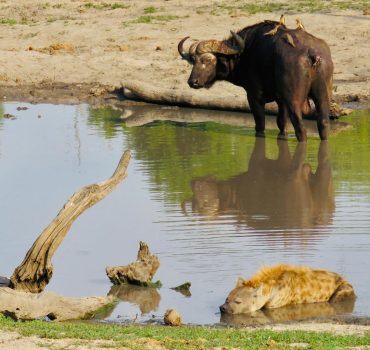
x=210, y=59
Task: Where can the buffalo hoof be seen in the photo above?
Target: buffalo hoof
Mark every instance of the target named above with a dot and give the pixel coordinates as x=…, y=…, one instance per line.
x=282, y=136
x=260, y=134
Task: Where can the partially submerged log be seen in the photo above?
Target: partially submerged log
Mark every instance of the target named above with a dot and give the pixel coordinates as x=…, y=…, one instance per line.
x=140, y=272
x=36, y=270
x=21, y=305
x=135, y=90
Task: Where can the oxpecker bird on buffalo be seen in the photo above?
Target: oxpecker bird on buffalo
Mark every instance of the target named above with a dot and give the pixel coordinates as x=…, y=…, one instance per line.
x=272, y=63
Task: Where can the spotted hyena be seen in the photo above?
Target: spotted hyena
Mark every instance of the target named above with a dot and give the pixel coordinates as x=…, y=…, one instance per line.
x=282, y=285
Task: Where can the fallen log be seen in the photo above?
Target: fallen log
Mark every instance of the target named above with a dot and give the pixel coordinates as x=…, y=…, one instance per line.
x=139, y=272
x=145, y=92
x=21, y=305
x=134, y=90
x=36, y=270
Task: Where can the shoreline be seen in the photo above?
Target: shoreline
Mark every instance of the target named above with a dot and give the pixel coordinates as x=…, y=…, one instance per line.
x=108, y=96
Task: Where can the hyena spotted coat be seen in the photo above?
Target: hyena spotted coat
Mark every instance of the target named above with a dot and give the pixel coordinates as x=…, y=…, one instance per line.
x=282, y=285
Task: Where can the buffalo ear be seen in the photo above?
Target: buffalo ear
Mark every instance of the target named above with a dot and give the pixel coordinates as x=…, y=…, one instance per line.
x=222, y=67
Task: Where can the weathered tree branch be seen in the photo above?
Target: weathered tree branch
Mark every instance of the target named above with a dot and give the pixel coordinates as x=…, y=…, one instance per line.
x=36, y=270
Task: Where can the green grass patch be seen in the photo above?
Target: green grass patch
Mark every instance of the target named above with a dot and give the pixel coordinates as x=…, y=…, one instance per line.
x=105, y=6
x=150, y=9
x=119, y=6
x=185, y=337
x=151, y=19
x=9, y=22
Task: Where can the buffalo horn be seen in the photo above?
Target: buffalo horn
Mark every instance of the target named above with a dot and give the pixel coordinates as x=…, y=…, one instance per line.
x=239, y=40
x=221, y=47
x=180, y=48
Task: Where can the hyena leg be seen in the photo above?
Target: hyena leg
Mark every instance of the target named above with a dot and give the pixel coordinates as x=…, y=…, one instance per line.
x=344, y=291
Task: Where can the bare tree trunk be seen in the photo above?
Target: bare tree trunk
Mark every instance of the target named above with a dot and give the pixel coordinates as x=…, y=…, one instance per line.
x=36, y=270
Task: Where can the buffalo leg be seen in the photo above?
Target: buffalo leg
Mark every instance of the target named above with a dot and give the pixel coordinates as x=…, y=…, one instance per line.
x=258, y=111
x=281, y=120
x=295, y=113
x=323, y=122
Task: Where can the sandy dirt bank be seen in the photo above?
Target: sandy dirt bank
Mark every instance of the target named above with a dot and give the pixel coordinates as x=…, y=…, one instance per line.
x=94, y=44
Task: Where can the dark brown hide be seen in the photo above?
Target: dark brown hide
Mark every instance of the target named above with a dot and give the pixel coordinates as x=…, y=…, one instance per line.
x=289, y=67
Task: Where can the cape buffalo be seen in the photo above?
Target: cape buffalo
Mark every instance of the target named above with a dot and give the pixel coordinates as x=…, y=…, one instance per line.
x=272, y=63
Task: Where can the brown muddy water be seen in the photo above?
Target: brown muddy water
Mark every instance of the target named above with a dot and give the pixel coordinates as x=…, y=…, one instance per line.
x=212, y=201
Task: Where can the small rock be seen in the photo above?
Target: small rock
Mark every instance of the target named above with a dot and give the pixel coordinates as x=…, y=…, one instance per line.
x=22, y=108
x=172, y=318
x=158, y=48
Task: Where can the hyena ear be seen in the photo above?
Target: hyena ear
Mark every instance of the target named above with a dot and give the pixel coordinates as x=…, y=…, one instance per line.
x=239, y=282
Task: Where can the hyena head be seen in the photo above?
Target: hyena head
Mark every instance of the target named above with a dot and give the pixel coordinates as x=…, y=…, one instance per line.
x=244, y=299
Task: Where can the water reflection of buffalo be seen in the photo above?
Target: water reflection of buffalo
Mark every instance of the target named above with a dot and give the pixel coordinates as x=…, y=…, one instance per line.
x=281, y=193
x=147, y=299
x=290, y=313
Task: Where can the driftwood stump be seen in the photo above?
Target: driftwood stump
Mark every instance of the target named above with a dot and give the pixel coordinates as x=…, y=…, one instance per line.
x=36, y=270
x=140, y=272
